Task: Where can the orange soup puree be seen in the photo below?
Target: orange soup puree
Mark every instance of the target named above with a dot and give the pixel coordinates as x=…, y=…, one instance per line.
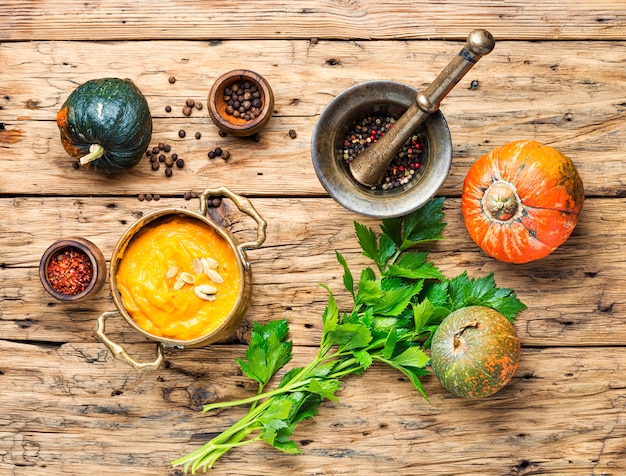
x=152, y=265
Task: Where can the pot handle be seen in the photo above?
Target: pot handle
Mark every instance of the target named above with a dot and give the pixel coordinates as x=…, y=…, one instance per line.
x=119, y=352
x=245, y=206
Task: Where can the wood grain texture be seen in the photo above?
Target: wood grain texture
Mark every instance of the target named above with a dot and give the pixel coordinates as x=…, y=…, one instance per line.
x=571, y=101
x=575, y=295
x=562, y=414
x=556, y=76
x=336, y=19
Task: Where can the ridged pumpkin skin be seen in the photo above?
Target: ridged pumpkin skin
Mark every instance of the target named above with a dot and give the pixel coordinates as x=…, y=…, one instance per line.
x=111, y=113
x=475, y=352
x=521, y=201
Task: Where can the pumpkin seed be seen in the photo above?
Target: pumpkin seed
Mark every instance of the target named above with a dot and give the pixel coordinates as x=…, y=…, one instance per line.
x=197, y=266
x=178, y=284
x=187, y=277
x=206, y=292
x=214, y=276
x=206, y=289
x=209, y=263
x=171, y=272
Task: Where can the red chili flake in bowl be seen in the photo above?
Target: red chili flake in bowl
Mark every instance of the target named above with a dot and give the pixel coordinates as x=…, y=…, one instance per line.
x=69, y=271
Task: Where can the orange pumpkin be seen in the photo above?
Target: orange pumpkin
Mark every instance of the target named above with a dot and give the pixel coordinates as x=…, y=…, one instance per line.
x=521, y=201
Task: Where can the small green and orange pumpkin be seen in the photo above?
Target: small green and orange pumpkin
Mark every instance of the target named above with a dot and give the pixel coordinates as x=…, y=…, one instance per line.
x=521, y=201
x=475, y=352
x=106, y=124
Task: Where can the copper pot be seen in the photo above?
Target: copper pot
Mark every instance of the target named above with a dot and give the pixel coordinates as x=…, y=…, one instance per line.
x=241, y=305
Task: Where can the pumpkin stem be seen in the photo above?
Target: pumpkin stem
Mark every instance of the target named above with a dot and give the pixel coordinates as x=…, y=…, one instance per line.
x=95, y=152
x=456, y=342
x=501, y=201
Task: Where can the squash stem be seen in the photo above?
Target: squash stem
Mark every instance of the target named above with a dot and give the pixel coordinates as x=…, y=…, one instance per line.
x=95, y=152
x=456, y=341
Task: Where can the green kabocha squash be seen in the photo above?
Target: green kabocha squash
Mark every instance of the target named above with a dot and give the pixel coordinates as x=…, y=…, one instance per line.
x=475, y=352
x=106, y=124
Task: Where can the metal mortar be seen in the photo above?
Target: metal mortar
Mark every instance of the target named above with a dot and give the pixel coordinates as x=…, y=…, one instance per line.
x=354, y=186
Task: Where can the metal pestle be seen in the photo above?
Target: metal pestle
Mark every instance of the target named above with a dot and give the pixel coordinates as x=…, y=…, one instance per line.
x=368, y=168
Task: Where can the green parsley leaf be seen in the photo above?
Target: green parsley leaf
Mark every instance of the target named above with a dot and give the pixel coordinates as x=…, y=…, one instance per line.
x=390, y=343
x=267, y=352
x=414, y=266
x=368, y=241
x=324, y=388
x=465, y=291
x=350, y=336
x=348, y=280
x=394, y=301
x=424, y=225
x=412, y=357
x=363, y=357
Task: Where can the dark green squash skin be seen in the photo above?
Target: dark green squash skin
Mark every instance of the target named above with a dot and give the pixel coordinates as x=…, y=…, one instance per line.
x=475, y=352
x=111, y=112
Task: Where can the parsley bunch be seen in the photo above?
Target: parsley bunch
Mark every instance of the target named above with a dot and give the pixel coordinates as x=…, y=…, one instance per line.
x=398, y=305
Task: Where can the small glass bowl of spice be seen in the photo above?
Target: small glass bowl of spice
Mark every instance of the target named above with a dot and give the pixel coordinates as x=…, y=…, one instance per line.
x=241, y=102
x=72, y=269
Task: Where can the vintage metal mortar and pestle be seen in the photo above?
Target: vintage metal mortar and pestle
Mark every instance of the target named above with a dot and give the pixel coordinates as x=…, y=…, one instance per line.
x=355, y=186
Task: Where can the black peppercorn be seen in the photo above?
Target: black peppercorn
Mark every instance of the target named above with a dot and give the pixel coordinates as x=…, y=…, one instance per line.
x=218, y=151
x=292, y=133
x=181, y=133
x=155, y=150
x=222, y=134
x=174, y=156
x=162, y=158
x=167, y=148
x=198, y=135
x=168, y=172
x=168, y=108
x=180, y=163
x=172, y=79
x=211, y=154
x=155, y=165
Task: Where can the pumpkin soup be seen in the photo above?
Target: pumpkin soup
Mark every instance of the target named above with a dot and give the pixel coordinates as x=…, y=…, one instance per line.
x=178, y=279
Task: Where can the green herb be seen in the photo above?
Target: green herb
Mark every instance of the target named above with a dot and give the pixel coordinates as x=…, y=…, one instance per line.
x=397, y=307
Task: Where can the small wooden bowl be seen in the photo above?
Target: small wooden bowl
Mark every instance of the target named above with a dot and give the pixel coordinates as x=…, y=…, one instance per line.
x=238, y=126
x=98, y=265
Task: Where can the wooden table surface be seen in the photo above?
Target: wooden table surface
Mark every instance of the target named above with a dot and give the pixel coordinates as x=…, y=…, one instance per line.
x=557, y=75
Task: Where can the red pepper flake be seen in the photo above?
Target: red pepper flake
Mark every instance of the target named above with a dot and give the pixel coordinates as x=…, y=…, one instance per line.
x=69, y=271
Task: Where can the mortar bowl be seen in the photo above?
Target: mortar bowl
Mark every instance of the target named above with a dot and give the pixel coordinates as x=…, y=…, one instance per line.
x=380, y=98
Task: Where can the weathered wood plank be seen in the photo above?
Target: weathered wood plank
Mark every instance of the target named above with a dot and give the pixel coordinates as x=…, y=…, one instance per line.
x=575, y=296
x=526, y=90
x=121, y=19
x=71, y=409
